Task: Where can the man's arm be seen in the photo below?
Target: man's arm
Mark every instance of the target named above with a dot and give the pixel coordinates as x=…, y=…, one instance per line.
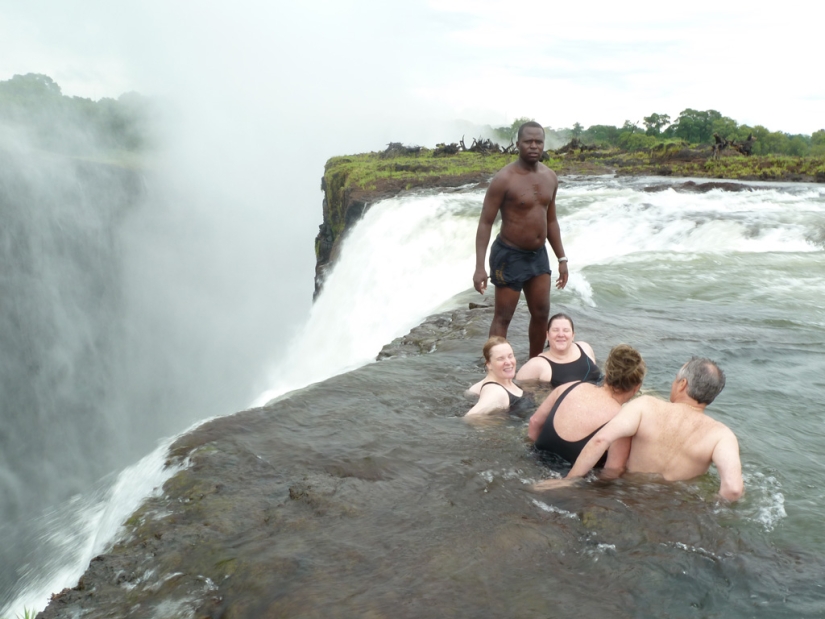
x=726, y=458
x=626, y=423
x=554, y=237
x=493, y=200
x=617, y=457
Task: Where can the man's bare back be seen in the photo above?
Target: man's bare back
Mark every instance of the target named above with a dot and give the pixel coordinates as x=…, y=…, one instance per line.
x=524, y=192
x=675, y=439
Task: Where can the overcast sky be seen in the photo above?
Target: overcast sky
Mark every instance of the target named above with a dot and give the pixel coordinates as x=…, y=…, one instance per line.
x=477, y=60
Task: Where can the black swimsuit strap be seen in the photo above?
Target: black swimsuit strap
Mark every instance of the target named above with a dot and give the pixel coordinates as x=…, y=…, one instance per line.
x=558, y=401
x=581, y=350
x=492, y=382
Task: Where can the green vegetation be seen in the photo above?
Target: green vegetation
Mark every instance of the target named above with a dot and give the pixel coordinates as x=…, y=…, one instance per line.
x=372, y=172
x=367, y=170
x=33, y=108
x=696, y=127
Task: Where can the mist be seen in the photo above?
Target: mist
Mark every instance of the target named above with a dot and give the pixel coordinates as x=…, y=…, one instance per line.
x=136, y=304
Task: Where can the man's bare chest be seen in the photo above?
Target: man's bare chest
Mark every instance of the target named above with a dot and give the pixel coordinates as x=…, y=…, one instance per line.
x=528, y=196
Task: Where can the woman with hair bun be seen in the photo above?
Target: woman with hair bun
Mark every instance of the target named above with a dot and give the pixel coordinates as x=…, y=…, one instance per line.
x=574, y=412
x=562, y=362
x=498, y=392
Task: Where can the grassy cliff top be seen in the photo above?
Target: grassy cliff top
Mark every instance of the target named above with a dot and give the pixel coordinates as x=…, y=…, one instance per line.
x=421, y=168
x=375, y=171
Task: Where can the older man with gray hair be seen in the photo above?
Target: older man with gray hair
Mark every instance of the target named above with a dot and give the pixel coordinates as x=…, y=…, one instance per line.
x=675, y=439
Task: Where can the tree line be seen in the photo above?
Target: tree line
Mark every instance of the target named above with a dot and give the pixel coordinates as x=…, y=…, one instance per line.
x=34, y=105
x=695, y=127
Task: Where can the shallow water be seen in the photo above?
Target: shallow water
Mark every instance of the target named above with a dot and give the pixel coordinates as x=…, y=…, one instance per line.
x=388, y=504
x=443, y=521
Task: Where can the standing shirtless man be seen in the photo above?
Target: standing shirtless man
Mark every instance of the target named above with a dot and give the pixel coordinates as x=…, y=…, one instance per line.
x=525, y=193
x=675, y=439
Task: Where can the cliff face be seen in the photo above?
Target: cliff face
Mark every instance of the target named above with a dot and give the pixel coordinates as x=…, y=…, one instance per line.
x=352, y=184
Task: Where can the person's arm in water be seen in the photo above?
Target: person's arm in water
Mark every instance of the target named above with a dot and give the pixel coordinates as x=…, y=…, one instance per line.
x=625, y=424
x=617, y=456
x=726, y=458
x=493, y=200
x=554, y=237
x=491, y=398
x=540, y=416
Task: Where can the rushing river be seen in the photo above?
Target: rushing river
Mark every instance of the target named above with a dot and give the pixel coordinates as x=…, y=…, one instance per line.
x=449, y=527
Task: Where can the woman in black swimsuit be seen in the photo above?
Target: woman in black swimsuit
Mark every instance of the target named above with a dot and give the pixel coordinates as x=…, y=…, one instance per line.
x=498, y=392
x=574, y=412
x=565, y=360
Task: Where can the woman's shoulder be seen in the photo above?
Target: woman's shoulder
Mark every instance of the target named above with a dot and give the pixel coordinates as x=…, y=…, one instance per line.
x=476, y=388
x=587, y=348
x=493, y=396
x=536, y=368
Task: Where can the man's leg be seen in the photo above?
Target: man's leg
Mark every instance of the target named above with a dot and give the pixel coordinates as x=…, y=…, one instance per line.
x=537, y=293
x=506, y=301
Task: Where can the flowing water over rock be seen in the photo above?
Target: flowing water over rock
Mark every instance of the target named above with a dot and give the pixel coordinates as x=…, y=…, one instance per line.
x=366, y=494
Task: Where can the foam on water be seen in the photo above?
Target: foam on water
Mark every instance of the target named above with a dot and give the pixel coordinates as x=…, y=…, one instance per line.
x=765, y=500
x=551, y=509
x=613, y=224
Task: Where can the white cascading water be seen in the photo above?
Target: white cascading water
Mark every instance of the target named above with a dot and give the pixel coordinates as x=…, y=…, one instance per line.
x=398, y=265
x=84, y=527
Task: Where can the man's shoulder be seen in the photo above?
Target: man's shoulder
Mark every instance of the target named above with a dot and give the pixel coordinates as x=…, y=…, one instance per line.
x=546, y=170
x=503, y=175
x=514, y=168
x=719, y=428
x=646, y=402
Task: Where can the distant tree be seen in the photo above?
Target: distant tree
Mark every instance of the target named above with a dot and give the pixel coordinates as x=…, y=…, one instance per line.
x=818, y=143
x=629, y=127
x=798, y=145
x=696, y=126
x=34, y=105
x=505, y=134
x=26, y=87
x=636, y=141
x=577, y=130
x=601, y=134
x=725, y=127
x=655, y=123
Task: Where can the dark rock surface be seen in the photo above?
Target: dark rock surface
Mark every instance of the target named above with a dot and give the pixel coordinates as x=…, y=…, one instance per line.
x=368, y=496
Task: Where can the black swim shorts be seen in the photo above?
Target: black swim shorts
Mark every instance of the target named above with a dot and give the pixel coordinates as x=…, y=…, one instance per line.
x=511, y=267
